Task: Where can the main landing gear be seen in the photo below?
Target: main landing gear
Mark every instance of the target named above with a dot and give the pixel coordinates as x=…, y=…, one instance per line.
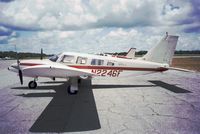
x=73, y=85
x=71, y=89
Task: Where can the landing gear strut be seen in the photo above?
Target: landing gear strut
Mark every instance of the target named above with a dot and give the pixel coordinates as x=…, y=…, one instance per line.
x=73, y=87
x=70, y=91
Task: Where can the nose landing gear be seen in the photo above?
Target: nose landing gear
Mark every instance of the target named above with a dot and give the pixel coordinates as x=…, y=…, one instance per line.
x=32, y=84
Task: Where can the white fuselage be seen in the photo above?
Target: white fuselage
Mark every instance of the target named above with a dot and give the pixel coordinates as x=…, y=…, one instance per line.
x=105, y=66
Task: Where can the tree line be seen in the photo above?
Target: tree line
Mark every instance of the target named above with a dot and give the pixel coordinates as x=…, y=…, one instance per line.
x=20, y=55
x=27, y=55
x=179, y=52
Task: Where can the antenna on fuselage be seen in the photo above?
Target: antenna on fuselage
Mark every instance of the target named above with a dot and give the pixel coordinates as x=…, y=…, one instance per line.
x=41, y=54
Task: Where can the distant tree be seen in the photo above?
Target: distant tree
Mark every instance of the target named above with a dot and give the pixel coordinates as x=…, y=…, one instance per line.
x=21, y=55
x=27, y=55
x=140, y=53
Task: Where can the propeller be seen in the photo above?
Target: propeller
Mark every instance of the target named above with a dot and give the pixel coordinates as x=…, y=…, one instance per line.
x=41, y=55
x=19, y=69
x=20, y=72
x=21, y=76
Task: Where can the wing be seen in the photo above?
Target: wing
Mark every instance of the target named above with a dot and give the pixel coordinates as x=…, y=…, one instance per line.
x=54, y=70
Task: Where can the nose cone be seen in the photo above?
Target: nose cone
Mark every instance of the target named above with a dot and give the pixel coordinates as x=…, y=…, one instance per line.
x=14, y=67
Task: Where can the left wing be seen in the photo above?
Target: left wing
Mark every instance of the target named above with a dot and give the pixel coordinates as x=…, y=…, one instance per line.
x=54, y=70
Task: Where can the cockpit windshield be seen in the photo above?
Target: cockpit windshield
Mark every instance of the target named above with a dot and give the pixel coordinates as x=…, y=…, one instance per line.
x=54, y=58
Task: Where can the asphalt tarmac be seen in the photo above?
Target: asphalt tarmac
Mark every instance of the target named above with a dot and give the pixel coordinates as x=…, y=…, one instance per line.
x=163, y=103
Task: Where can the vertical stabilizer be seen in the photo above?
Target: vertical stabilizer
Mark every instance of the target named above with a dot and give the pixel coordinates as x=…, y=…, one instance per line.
x=164, y=51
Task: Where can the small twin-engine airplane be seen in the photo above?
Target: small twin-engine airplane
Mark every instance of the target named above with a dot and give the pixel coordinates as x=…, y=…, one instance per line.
x=77, y=66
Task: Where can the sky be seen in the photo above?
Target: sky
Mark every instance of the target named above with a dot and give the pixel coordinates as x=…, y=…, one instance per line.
x=95, y=26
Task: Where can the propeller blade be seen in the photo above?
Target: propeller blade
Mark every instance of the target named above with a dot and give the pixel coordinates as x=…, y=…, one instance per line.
x=41, y=56
x=19, y=69
x=20, y=76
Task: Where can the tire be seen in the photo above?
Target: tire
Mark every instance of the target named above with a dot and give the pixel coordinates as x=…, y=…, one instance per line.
x=32, y=84
x=79, y=81
x=71, y=92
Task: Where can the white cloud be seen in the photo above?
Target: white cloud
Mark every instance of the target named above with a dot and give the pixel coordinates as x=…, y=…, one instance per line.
x=95, y=25
x=77, y=14
x=176, y=12
x=48, y=22
x=5, y=31
x=6, y=34
x=99, y=40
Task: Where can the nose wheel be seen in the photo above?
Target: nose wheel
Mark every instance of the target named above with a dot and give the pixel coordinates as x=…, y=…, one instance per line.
x=32, y=84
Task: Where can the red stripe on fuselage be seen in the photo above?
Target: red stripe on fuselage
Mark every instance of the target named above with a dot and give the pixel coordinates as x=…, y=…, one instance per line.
x=30, y=64
x=160, y=69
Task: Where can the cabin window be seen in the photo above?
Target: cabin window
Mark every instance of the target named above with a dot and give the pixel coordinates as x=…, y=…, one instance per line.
x=97, y=62
x=68, y=59
x=81, y=60
x=110, y=63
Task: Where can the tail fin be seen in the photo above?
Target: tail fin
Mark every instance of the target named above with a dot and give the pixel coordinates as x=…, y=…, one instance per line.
x=131, y=53
x=164, y=51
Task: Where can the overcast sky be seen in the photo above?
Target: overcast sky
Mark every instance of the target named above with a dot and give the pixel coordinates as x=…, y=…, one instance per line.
x=94, y=26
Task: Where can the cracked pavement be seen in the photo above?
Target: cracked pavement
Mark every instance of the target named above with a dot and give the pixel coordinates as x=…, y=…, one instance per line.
x=118, y=106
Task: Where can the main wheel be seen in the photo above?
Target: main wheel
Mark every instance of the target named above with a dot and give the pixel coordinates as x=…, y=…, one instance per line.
x=79, y=81
x=72, y=92
x=32, y=84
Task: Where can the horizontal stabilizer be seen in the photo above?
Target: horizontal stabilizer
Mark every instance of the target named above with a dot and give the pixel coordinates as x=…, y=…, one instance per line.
x=181, y=69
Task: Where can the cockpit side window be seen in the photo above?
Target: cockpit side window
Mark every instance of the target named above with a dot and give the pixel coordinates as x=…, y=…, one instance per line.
x=97, y=62
x=81, y=60
x=68, y=59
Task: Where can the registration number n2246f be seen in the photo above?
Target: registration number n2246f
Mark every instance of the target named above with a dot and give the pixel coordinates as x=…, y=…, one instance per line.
x=104, y=72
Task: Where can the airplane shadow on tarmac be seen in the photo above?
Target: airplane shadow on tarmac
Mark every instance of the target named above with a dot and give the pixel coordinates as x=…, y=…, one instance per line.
x=69, y=113
x=66, y=113
x=74, y=113
x=170, y=87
